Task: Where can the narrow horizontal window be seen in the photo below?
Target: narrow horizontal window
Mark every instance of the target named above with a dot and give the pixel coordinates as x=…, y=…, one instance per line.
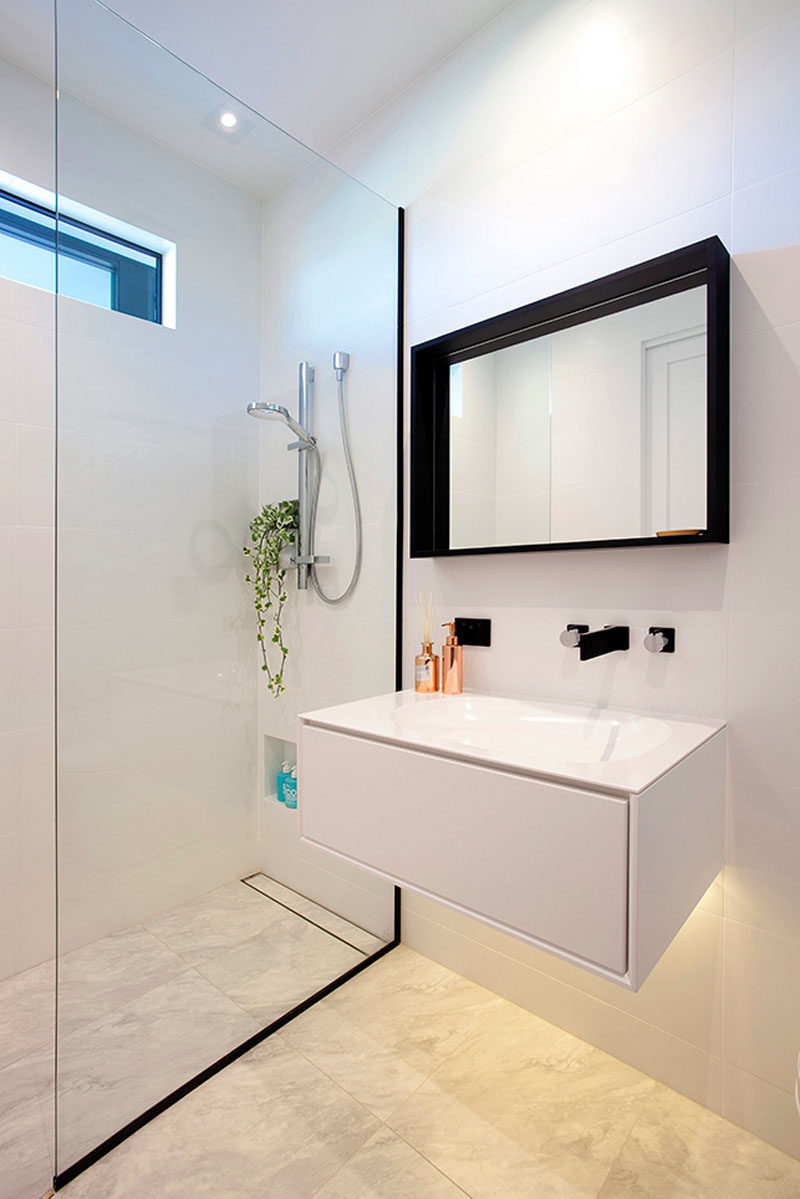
x=94, y=265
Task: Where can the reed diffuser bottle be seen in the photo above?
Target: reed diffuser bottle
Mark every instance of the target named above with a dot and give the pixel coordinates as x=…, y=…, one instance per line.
x=426, y=664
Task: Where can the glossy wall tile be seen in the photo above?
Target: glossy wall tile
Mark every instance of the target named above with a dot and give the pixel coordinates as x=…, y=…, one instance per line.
x=510, y=201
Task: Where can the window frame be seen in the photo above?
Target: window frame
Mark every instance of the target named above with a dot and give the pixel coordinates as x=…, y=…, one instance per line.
x=137, y=289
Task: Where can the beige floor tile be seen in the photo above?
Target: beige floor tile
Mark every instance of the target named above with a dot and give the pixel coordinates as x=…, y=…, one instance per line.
x=680, y=1150
x=270, y=1126
x=388, y=1168
x=524, y=1109
x=494, y=1104
x=25, y=1155
x=215, y=923
x=273, y=972
x=359, y=938
x=104, y=976
x=135, y=1021
x=26, y=1012
x=387, y=1030
x=115, y=1068
x=26, y=1134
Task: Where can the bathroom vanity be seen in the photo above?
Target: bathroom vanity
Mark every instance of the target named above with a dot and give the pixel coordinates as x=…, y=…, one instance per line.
x=589, y=833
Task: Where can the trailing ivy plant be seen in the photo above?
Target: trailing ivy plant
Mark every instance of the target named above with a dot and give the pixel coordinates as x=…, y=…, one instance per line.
x=273, y=528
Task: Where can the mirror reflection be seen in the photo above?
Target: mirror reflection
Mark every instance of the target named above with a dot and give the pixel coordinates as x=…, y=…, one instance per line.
x=594, y=432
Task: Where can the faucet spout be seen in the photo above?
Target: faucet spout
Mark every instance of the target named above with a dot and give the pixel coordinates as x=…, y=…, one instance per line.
x=604, y=641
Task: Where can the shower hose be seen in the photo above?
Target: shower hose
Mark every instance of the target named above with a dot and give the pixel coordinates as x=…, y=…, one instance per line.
x=348, y=457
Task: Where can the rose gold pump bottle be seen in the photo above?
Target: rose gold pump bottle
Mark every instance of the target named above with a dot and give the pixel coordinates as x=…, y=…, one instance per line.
x=452, y=662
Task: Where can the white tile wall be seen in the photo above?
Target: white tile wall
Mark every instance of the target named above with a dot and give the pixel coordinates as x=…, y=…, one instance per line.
x=619, y=163
x=26, y=620
x=767, y=102
x=157, y=474
x=762, y=978
x=523, y=178
x=330, y=276
x=8, y=472
x=156, y=461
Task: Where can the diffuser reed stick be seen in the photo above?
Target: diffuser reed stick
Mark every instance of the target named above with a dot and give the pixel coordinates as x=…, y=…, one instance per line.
x=425, y=605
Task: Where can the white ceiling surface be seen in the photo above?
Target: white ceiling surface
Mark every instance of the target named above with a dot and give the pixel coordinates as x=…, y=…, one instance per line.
x=106, y=64
x=317, y=68
x=140, y=84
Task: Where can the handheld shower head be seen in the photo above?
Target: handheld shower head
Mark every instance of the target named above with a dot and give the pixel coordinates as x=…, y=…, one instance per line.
x=266, y=411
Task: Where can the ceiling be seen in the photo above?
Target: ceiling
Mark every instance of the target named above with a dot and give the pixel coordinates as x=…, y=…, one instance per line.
x=317, y=68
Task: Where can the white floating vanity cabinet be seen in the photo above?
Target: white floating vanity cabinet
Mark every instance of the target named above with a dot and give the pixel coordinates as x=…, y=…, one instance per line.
x=600, y=877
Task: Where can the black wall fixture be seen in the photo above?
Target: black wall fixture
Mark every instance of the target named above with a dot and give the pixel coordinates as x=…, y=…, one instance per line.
x=704, y=264
x=473, y=630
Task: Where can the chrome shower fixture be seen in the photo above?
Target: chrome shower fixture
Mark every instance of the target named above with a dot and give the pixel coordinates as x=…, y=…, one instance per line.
x=309, y=475
x=266, y=411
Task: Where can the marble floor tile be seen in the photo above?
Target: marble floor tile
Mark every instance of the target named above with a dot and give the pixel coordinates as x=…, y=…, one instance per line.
x=680, y=1150
x=270, y=1126
x=26, y=1126
x=25, y=1154
x=115, y=1068
x=388, y=1168
x=136, y=1020
x=359, y=938
x=506, y=1106
x=215, y=923
x=270, y=974
x=388, y=1029
x=524, y=1109
x=28, y=1079
x=26, y=1012
x=108, y=974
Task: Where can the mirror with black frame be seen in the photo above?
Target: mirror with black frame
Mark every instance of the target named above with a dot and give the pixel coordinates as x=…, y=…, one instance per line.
x=598, y=417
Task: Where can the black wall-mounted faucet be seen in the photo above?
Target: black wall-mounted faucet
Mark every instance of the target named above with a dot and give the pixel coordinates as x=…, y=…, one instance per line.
x=601, y=641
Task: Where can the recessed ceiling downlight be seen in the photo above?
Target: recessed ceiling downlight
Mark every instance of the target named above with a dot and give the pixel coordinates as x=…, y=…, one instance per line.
x=228, y=122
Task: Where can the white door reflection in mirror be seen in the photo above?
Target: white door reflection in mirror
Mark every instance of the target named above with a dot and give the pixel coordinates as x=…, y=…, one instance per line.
x=674, y=496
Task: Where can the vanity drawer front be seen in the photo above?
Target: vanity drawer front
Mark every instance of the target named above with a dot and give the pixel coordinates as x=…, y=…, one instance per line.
x=547, y=861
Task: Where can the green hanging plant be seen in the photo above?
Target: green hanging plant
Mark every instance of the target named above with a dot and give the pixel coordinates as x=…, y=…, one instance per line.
x=273, y=528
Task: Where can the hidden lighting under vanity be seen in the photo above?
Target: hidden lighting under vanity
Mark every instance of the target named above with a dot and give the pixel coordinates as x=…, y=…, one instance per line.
x=589, y=833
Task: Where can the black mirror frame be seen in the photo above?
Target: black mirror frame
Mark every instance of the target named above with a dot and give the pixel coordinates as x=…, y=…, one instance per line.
x=704, y=263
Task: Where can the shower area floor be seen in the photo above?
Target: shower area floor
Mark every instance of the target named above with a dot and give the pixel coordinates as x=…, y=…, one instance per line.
x=144, y=1010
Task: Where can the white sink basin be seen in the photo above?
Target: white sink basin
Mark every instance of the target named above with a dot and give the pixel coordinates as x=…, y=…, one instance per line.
x=508, y=727
x=600, y=747
x=588, y=832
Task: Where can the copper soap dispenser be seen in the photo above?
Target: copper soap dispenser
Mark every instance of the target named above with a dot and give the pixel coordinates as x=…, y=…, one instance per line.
x=452, y=662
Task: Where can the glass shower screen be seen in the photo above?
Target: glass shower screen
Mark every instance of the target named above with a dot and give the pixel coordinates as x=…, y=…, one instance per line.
x=207, y=254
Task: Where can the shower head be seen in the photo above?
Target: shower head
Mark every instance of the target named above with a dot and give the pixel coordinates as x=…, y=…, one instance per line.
x=266, y=411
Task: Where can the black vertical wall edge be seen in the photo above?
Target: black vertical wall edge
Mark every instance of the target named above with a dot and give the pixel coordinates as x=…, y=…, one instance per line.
x=71, y=1172
x=400, y=542
x=400, y=521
